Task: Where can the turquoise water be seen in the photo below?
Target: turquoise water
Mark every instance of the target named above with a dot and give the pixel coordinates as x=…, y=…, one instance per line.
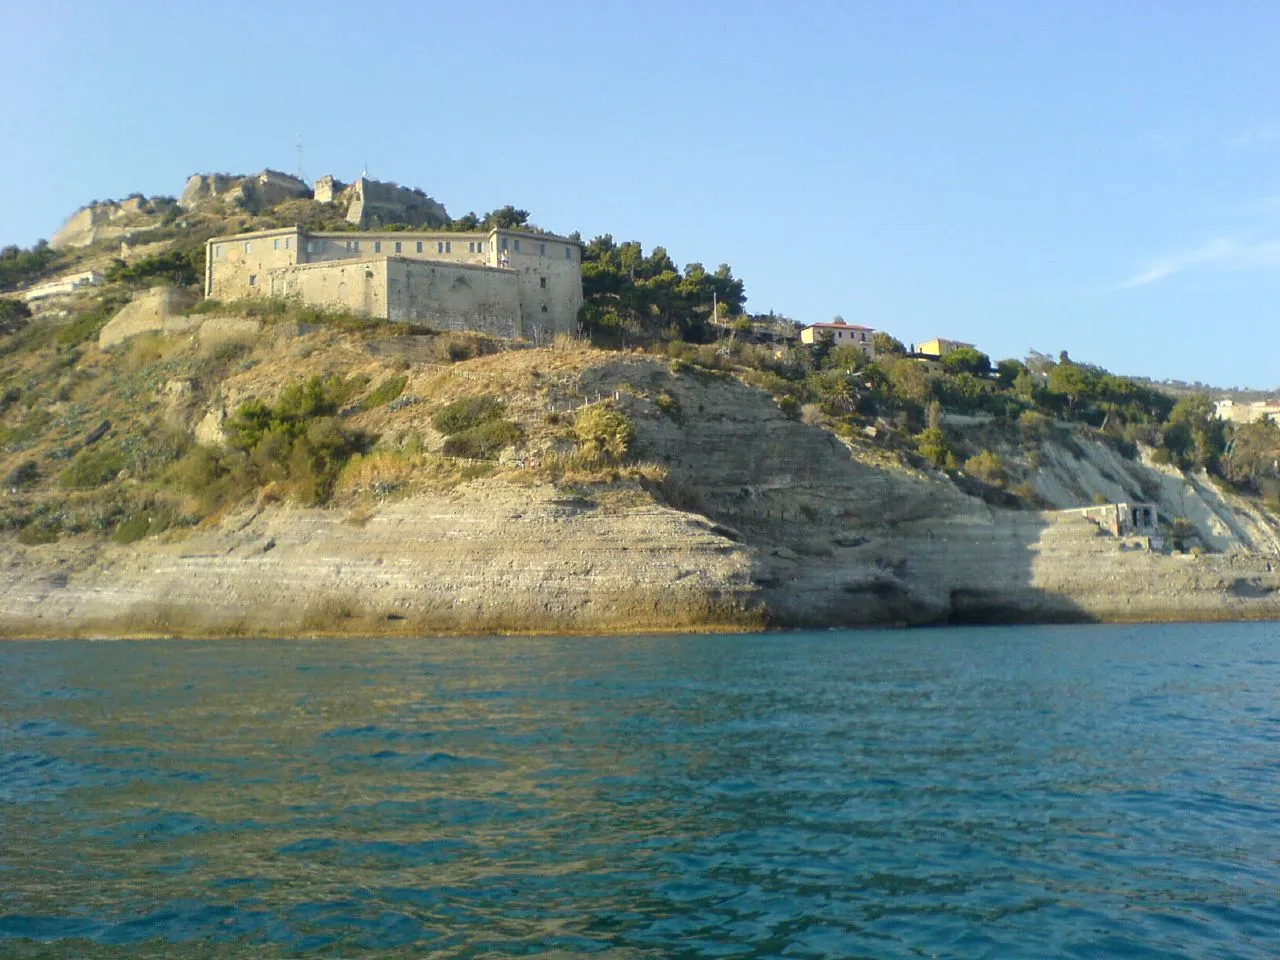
x=1011, y=792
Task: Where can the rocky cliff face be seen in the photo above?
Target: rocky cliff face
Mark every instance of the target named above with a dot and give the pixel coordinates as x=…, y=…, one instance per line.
x=760, y=519
x=109, y=220
x=254, y=193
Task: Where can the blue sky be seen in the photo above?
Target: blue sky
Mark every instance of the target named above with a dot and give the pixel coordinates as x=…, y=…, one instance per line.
x=1097, y=177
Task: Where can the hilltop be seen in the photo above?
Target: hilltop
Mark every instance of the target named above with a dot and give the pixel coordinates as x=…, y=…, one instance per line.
x=174, y=465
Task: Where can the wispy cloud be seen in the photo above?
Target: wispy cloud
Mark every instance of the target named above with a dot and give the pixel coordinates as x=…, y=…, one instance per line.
x=1256, y=136
x=1254, y=251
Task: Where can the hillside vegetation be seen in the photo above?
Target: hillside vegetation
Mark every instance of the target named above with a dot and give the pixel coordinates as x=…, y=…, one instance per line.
x=302, y=405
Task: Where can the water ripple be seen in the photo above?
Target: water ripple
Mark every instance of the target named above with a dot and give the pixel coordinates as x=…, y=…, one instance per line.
x=1054, y=792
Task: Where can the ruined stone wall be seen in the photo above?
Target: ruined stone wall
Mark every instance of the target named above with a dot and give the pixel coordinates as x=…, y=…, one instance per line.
x=448, y=296
x=357, y=286
x=372, y=204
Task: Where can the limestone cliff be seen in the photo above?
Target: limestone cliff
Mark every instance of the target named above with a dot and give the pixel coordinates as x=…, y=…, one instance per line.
x=253, y=193
x=746, y=517
x=107, y=220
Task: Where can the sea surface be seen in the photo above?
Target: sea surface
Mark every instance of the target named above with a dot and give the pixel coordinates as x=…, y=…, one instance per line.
x=961, y=792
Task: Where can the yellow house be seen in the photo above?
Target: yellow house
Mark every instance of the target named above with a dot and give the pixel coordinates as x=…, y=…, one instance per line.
x=938, y=347
x=840, y=334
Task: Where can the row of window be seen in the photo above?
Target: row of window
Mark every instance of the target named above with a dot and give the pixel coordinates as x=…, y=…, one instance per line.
x=353, y=246
x=542, y=248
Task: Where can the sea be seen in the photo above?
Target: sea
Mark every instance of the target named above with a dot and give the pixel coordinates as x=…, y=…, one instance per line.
x=1065, y=791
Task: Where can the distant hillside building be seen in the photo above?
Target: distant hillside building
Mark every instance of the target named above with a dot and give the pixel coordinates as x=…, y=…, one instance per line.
x=62, y=286
x=1247, y=412
x=939, y=348
x=507, y=283
x=840, y=334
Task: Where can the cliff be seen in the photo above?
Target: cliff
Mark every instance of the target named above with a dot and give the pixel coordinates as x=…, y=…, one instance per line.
x=728, y=513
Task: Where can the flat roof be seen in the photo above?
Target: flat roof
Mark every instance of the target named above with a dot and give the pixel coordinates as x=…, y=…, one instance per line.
x=394, y=234
x=839, y=326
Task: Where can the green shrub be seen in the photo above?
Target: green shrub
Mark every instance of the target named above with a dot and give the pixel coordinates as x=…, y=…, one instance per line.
x=87, y=324
x=466, y=413
x=669, y=404
x=789, y=406
x=92, y=468
x=987, y=467
x=208, y=305
x=228, y=351
x=14, y=315
x=385, y=392
x=483, y=442
x=296, y=441
x=24, y=474
x=150, y=519
x=172, y=266
x=297, y=404
x=36, y=533
x=603, y=433
x=932, y=445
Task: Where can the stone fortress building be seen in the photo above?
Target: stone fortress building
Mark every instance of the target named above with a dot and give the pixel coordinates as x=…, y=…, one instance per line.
x=507, y=283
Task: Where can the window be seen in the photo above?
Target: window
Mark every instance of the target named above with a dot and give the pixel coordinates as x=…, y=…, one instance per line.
x=544, y=308
x=504, y=244
x=542, y=282
x=419, y=246
x=397, y=246
x=253, y=279
x=377, y=246
x=439, y=246
x=479, y=246
x=542, y=249
x=288, y=242
x=355, y=245
x=568, y=254
x=448, y=246
x=218, y=251
x=471, y=247
x=517, y=245
x=275, y=244
x=348, y=246
x=248, y=245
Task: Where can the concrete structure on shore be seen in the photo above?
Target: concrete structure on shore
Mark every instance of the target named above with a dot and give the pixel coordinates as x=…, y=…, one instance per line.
x=1122, y=519
x=508, y=283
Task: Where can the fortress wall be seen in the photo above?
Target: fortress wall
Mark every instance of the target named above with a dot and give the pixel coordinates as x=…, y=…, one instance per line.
x=374, y=203
x=550, y=274
x=454, y=296
x=358, y=286
x=237, y=267
x=537, y=292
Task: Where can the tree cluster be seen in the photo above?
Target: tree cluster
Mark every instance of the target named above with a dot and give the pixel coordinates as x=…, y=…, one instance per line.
x=627, y=292
x=19, y=267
